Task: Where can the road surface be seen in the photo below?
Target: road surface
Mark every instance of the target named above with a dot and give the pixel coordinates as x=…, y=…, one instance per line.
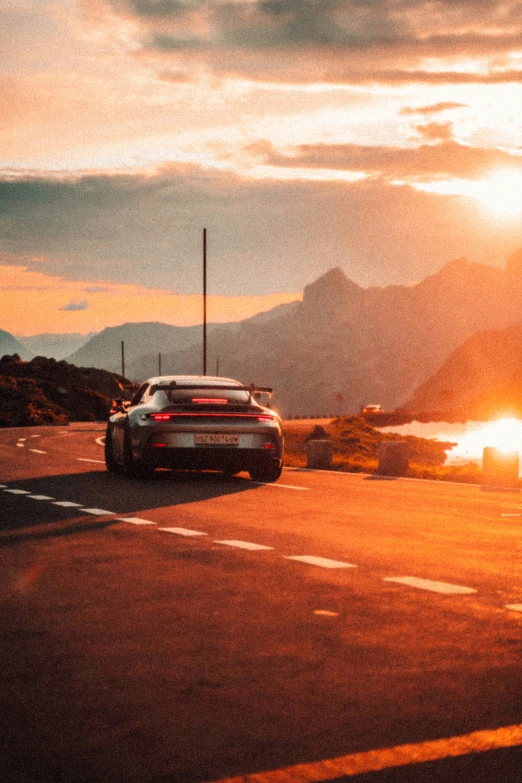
x=329, y=627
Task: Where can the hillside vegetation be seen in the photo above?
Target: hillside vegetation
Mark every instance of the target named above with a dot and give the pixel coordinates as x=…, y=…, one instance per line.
x=44, y=391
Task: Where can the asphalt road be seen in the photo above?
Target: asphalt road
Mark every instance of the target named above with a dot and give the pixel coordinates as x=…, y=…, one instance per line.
x=327, y=627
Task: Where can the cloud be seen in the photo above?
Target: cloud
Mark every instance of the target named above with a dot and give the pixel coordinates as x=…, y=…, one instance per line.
x=436, y=131
x=263, y=236
x=74, y=305
x=434, y=108
x=446, y=159
x=337, y=41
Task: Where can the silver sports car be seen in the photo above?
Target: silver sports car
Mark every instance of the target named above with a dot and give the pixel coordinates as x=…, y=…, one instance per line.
x=195, y=422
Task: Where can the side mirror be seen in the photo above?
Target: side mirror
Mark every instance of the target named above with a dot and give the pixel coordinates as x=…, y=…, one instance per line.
x=118, y=405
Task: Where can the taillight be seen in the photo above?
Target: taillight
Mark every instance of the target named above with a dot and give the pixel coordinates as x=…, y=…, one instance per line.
x=265, y=418
x=210, y=400
x=160, y=416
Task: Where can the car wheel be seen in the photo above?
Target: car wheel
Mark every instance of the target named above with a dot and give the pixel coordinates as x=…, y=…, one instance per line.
x=110, y=462
x=266, y=473
x=132, y=467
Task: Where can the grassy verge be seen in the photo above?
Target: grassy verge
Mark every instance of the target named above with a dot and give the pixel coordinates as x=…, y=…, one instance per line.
x=356, y=449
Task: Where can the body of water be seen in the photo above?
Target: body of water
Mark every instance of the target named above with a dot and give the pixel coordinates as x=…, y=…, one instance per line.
x=470, y=438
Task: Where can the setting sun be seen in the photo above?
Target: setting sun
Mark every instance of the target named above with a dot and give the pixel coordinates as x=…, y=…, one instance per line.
x=501, y=193
x=503, y=434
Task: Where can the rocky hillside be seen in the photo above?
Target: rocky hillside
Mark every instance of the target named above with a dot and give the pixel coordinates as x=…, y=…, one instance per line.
x=482, y=379
x=44, y=391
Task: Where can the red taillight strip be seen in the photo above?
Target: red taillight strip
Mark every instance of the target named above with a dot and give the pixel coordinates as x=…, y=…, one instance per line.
x=212, y=415
x=210, y=400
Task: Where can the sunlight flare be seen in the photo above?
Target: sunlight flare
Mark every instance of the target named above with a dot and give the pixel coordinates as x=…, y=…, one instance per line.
x=503, y=434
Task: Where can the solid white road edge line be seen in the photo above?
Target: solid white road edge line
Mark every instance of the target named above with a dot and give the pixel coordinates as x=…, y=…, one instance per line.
x=276, y=485
x=427, y=584
x=323, y=562
x=387, y=758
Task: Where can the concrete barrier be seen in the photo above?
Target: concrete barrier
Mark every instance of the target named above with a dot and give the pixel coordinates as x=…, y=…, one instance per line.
x=500, y=468
x=319, y=453
x=394, y=456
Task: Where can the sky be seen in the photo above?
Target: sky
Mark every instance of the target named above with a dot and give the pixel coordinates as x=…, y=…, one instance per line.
x=380, y=136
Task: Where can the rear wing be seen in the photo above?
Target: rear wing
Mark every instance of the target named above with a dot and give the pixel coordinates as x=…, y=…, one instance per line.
x=172, y=385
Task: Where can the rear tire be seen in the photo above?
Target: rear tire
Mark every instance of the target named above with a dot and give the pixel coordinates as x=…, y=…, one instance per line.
x=110, y=462
x=132, y=467
x=266, y=473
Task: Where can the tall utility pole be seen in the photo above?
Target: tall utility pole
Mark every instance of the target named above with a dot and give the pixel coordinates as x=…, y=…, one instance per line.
x=204, y=301
x=123, y=359
x=159, y=363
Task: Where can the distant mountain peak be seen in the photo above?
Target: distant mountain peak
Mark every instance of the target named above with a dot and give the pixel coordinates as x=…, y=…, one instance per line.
x=332, y=287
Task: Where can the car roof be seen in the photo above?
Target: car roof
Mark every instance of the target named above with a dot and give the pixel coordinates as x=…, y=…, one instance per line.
x=197, y=380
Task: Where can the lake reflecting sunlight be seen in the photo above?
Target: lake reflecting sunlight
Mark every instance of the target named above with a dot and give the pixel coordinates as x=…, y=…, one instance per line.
x=471, y=437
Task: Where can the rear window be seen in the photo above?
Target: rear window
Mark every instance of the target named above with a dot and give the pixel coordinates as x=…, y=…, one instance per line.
x=206, y=396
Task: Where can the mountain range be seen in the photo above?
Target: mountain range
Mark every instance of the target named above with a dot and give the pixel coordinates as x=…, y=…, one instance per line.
x=374, y=345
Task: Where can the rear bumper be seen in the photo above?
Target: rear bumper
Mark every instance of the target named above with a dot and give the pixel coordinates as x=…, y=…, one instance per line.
x=210, y=459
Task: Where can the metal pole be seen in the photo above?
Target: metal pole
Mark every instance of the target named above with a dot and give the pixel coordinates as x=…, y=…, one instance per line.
x=217, y=367
x=159, y=363
x=123, y=359
x=204, y=301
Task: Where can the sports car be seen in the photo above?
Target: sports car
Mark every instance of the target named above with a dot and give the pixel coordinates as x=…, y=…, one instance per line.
x=195, y=422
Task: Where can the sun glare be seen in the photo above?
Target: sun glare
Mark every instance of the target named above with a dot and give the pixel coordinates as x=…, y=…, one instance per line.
x=501, y=193
x=503, y=434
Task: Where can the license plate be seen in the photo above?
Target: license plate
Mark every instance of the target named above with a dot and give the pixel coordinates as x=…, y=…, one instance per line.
x=213, y=439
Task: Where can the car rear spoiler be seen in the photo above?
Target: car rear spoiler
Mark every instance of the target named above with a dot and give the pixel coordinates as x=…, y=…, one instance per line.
x=168, y=385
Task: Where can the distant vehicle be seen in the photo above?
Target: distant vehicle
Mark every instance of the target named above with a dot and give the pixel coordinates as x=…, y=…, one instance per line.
x=371, y=409
x=195, y=422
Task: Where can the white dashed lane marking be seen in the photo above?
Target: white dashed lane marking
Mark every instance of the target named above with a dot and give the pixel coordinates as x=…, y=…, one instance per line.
x=182, y=531
x=20, y=445
x=38, y=451
x=84, y=459
x=322, y=562
x=427, y=584
x=135, y=521
x=244, y=545
x=100, y=512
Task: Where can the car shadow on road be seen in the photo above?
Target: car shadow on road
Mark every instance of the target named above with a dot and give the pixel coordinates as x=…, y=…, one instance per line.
x=113, y=494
